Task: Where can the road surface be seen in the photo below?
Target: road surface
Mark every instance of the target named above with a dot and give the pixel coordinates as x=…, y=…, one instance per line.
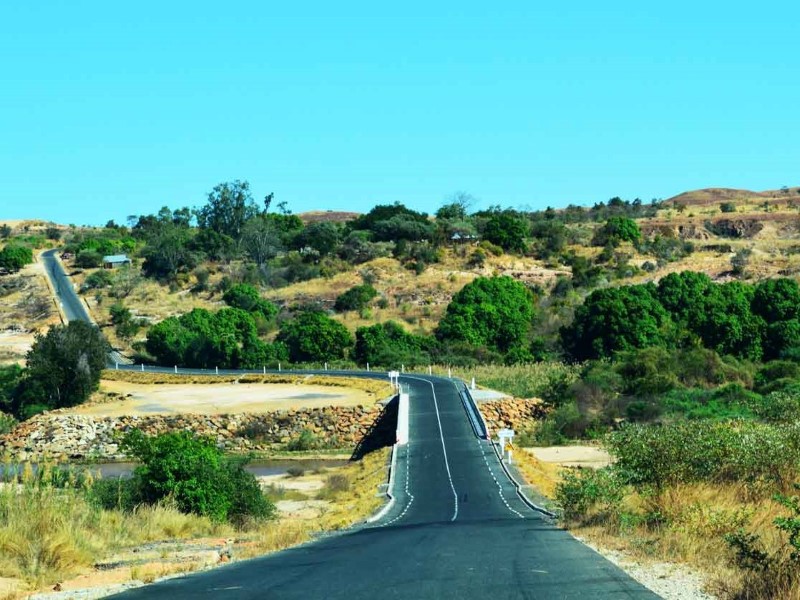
x=456, y=529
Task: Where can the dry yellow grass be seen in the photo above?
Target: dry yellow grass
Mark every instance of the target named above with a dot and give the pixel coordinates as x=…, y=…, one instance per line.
x=50, y=534
x=542, y=476
x=378, y=389
x=692, y=522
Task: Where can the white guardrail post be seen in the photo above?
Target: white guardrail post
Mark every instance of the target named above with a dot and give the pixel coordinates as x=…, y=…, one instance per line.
x=402, y=419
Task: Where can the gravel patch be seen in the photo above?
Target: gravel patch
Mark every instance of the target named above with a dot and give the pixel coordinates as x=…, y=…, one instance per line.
x=669, y=580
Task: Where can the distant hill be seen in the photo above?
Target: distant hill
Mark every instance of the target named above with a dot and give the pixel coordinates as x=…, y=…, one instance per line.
x=710, y=196
x=318, y=216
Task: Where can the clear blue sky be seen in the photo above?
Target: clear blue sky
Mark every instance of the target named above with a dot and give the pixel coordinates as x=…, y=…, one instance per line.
x=109, y=109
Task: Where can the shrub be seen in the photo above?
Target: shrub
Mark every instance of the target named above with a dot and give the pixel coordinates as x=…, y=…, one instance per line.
x=356, y=298
x=579, y=492
x=13, y=257
x=705, y=451
x=195, y=474
x=495, y=313
x=313, y=336
x=247, y=298
x=88, y=259
x=304, y=442
x=564, y=423
x=97, y=280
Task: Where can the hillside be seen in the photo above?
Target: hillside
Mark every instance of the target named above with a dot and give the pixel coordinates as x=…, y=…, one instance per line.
x=415, y=280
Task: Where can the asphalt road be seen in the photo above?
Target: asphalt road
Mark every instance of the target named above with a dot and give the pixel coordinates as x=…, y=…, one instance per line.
x=456, y=529
x=71, y=304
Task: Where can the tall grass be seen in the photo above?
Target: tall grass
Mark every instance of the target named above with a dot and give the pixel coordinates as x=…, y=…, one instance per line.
x=533, y=380
x=50, y=528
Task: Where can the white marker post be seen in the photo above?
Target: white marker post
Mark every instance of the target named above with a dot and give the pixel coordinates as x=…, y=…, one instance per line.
x=142, y=367
x=430, y=370
x=367, y=367
x=116, y=366
x=394, y=378
x=473, y=384
x=326, y=366
x=264, y=370
x=216, y=370
x=279, y=367
x=505, y=437
x=176, y=368
x=449, y=373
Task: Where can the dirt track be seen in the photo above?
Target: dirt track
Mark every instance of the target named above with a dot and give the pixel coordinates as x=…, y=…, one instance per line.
x=151, y=399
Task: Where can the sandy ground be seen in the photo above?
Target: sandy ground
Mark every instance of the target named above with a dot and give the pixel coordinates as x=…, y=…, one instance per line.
x=14, y=345
x=17, y=332
x=572, y=456
x=152, y=399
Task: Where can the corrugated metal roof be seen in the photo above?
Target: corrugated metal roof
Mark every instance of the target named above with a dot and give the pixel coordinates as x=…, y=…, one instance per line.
x=116, y=258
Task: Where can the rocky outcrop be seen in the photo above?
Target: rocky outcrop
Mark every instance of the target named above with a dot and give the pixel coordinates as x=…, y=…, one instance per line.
x=53, y=435
x=735, y=228
x=514, y=413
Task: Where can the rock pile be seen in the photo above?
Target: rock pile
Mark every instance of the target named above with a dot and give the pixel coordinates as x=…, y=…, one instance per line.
x=514, y=413
x=56, y=434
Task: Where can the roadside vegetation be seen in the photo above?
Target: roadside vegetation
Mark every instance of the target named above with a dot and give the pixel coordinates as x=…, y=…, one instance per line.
x=57, y=521
x=660, y=329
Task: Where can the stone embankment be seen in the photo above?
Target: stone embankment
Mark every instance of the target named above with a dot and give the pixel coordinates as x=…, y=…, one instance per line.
x=58, y=435
x=515, y=413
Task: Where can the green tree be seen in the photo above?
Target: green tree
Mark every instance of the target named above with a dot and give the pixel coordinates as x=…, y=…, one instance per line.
x=730, y=326
x=356, y=298
x=494, y=312
x=197, y=476
x=323, y=237
x=385, y=212
x=200, y=338
x=777, y=300
x=14, y=256
x=686, y=296
x=617, y=230
x=247, y=298
x=615, y=319
x=260, y=240
x=313, y=336
x=229, y=206
x=388, y=344
x=63, y=367
x=168, y=252
x=506, y=229
x=10, y=378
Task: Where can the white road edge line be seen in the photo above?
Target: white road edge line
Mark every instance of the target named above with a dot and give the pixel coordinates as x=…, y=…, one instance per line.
x=444, y=448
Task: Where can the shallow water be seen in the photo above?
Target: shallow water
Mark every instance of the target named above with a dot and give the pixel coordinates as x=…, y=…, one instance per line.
x=259, y=468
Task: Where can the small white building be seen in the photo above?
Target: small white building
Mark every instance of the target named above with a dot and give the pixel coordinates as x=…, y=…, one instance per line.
x=112, y=261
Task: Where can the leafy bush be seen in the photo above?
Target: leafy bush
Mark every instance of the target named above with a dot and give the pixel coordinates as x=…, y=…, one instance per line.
x=579, y=492
x=617, y=230
x=304, y=442
x=388, y=344
x=491, y=312
x=705, y=451
x=356, y=298
x=63, y=368
x=562, y=424
x=614, y=319
x=14, y=256
x=97, y=280
x=247, y=298
x=88, y=259
x=313, y=336
x=195, y=474
x=227, y=338
x=507, y=229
